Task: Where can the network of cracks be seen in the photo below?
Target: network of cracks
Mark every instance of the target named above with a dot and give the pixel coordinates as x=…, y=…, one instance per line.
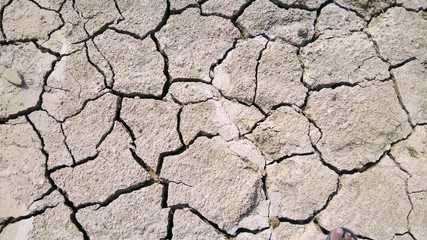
x=185, y=119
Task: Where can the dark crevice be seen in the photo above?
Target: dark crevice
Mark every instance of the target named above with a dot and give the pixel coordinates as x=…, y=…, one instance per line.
x=333, y=85
x=257, y=124
x=110, y=66
x=104, y=76
x=168, y=81
x=144, y=165
x=135, y=94
x=240, y=11
x=178, y=125
x=219, y=61
x=165, y=194
x=67, y=202
x=66, y=143
x=78, y=163
x=105, y=135
x=296, y=5
x=179, y=11
x=167, y=154
x=258, y=62
x=399, y=98
x=397, y=65
x=123, y=191
x=290, y=156
x=169, y=232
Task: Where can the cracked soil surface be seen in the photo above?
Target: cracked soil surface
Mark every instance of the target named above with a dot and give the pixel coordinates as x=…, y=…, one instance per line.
x=213, y=119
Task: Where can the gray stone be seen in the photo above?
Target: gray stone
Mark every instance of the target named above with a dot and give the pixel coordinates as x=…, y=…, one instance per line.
x=366, y=8
x=311, y=4
x=360, y=202
x=223, y=7
x=85, y=131
x=358, y=123
x=140, y=17
x=294, y=232
x=299, y=186
x=276, y=86
x=350, y=59
x=284, y=133
x=413, y=4
x=187, y=225
x=235, y=77
x=54, y=139
x=73, y=82
x=411, y=82
x=336, y=21
x=207, y=175
x=97, y=17
x=400, y=35
x=112, y=170
x=137, y=65
x=411, y=154
x=194, y=42
x=192, y=92
x=31, y=65
x=135, y=215
x=22, y=168
x=25, y=20
x=13, y=77
x=292, y=25
x=418, y=215
x=154, y=124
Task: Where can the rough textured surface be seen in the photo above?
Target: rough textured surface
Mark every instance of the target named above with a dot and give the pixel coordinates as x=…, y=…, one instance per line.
x=112, y=170
x=295, y=232
x=223, y=7
x=189, y=226
x=25, y=20
x=349, y=59
x=154, y=125
x=361, y=200
x=336, y=21
x=235, y=77
x=293, y=25
x=116, y=220
x=192, y=92
x=54, y=139
x=358, y=123
x=137, y=21
x=193, y=43
x=294, y=188
x=411, y=154
x=72, y=83
x=274, y=85
x=418, y=216
x=93, y=122
x=26, y=62
x=284, y=133
x=205, y=182
x=22, y=168
x=411, y=81
x=143, y=72
x=400, y=35
x=212, y=119
x=367, y=8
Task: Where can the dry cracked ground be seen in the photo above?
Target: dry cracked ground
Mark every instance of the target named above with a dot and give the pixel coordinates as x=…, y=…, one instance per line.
x=185, y=119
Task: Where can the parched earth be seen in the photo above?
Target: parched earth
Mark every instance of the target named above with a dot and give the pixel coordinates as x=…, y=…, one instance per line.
x=213, y=119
